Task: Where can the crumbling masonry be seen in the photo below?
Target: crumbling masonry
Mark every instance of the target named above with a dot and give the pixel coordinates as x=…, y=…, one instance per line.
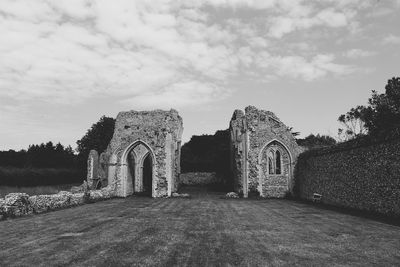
x=263, y=154
x=143, y=155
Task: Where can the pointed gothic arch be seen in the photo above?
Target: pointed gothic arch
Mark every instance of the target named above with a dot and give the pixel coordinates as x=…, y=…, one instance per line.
x=134, y=170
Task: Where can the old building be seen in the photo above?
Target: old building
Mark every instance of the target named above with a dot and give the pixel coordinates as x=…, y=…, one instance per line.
x=143, y=155
x=263, y=153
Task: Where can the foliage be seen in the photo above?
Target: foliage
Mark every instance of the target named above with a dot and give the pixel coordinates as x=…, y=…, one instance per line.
x=353, y=123
x=97, y=137
x=316, y=141
x=380, y=117
x=40, y=156
x=206, y=153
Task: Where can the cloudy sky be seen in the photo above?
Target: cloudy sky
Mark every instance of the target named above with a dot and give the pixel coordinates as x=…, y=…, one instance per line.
x=64, y=64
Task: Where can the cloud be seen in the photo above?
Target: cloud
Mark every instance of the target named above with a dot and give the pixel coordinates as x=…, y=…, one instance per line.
x=358, y=53
x=69, y=52
x=391, y=39
x=280, y=26
x=179, y=94
x=300, y=68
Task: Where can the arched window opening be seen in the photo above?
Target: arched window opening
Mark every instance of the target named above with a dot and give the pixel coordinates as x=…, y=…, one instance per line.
x=278, y=168
x=271, y=163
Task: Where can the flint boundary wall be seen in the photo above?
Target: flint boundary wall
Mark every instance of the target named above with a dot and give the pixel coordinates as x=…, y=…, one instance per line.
x=364, y=177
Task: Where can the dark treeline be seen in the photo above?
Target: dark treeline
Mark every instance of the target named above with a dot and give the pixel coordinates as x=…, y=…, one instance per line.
x=207, y=153
x=44, y=164
x=40, y=156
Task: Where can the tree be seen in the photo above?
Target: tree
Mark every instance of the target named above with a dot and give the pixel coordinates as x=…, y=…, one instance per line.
x=353, y=123
x=383, y=113
x=97, y=137
x=380, y=117
x=316, y=141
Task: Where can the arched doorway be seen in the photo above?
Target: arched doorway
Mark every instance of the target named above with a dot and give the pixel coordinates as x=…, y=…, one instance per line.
x=140, y=170
x=147, y=175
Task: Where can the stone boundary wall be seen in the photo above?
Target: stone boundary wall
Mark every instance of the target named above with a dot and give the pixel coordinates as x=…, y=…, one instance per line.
x=20, y=204
x=199, y=178
x=365, y=177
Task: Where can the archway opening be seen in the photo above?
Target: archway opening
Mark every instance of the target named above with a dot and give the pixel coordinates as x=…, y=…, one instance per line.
x=139, y=170
x=147, y=175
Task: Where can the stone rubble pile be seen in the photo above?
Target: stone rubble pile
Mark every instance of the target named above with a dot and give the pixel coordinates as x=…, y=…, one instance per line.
x=232, y=195
x=19, y=204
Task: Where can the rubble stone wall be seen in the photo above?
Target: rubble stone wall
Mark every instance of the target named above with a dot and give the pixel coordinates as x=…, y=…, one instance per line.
x=364, y=178
x=253, y=133
x=20, y=204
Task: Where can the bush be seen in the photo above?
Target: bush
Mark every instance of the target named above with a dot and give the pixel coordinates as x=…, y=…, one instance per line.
x=11, y=176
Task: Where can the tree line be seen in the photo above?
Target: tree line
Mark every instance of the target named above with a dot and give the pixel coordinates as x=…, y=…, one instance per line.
x=45, y=155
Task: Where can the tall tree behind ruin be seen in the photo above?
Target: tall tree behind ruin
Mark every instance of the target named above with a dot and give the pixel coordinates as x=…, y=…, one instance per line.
x=97, y=137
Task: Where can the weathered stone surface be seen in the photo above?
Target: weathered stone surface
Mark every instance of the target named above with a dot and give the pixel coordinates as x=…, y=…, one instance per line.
x=16, y=199
x=42, y=203
x=17, y=204
x=101, y=194
x=77, y=199
x=199, y=178
x=181, y=195
x=232, y=195
x=144, y=153
x=365, y=177
x=92, y=168
x=2, y=209
x=264, y=153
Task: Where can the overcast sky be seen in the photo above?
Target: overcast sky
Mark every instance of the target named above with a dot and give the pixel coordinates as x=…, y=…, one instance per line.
x=64, y=64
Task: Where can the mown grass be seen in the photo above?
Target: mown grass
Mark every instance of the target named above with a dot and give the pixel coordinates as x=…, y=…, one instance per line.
x=202, y=231
x=28, y=177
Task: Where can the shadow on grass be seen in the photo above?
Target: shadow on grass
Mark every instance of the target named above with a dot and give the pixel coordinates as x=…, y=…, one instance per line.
x=392, y=220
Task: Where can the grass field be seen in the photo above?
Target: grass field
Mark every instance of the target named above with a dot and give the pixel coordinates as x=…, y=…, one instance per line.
x=202, y=231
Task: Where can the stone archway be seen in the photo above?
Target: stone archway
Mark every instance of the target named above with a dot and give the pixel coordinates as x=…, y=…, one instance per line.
x=139, y=178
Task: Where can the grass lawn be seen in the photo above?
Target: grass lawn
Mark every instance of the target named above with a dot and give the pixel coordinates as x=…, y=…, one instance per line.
x=202, y=231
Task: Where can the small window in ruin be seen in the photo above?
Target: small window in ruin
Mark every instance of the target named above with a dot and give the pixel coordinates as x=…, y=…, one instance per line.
x=278, y=162
x=127, y=127
x=271, y=162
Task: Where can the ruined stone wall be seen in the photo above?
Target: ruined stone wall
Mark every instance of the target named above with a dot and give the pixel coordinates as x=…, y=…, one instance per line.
x=238, y=148
x=160, y=131
x=20, y=204
x=366, y=177
x=251, y=132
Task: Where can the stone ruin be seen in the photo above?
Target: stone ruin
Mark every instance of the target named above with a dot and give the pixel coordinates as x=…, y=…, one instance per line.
x=142, y=157
x=263, y=154
x=144, y=154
